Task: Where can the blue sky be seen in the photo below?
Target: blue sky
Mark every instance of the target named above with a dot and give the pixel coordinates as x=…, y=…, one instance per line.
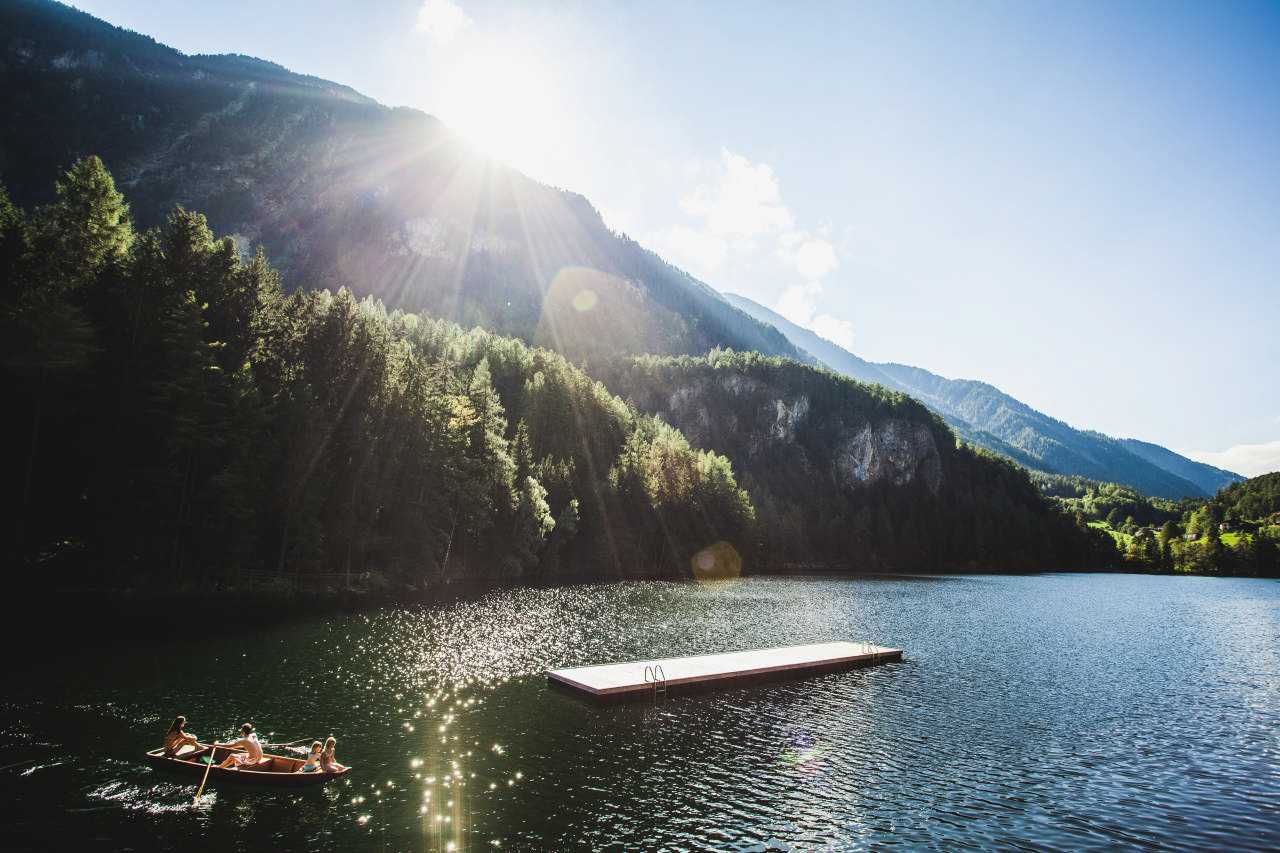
x=1077, y=202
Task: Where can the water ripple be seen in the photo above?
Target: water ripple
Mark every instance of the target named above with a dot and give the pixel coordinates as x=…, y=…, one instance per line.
x=1046, y=713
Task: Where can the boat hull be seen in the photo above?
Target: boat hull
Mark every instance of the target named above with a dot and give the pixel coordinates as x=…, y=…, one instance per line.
x=275, y=771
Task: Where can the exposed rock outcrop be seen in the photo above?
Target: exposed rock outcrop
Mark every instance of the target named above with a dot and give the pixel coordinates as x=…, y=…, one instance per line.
x=863, y=451
x=891, y=449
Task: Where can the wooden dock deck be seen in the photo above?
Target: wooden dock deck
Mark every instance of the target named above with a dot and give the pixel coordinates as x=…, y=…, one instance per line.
x=636, y=680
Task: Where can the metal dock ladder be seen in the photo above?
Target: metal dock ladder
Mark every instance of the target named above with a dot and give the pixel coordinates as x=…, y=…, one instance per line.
x=654, y=673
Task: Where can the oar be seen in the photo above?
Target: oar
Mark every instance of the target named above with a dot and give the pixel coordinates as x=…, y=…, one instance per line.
x=213, y=751
x=295, y=745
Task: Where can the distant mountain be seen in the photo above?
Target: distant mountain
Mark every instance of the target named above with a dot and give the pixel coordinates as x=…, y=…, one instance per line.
x=1206, y=476
x=341, y=191
x=983, y=415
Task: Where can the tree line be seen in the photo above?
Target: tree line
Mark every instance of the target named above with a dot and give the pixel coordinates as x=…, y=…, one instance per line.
x=986, y=514
x=1236, y=532
x=178, y=420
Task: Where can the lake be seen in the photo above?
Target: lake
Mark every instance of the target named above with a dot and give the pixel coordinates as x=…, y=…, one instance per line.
x=1044, y=712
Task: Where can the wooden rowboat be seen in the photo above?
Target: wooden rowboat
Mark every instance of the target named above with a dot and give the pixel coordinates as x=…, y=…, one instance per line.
x=277, y=771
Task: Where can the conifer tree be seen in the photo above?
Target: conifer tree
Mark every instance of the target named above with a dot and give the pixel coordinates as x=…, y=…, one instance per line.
x=88, y=228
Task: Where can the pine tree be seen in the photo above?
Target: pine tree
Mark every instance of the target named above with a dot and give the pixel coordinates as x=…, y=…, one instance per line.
x=88, y=228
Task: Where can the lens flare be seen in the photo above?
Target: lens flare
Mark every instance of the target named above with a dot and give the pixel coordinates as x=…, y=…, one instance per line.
x=587, y=313
x=717, y=564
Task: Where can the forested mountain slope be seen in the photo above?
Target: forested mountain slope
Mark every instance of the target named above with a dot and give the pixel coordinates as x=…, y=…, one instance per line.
x=179, y=422
x=854, y=476
x=1207, y=477
x=340, y=191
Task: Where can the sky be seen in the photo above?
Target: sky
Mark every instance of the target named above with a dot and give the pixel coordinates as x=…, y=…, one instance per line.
x=1077, y=202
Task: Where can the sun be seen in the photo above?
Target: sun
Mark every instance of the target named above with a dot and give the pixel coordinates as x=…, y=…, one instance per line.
x=510, y=102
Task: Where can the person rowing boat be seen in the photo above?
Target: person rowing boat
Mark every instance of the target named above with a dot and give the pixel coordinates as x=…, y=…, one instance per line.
x=249, y=743
x=279, y=771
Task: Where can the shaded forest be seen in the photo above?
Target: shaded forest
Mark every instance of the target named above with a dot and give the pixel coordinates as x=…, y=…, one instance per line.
x=178, y=422
x=985, y=515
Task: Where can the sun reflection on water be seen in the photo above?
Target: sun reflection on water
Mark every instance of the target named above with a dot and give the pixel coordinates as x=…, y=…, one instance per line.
x=431, y=705
x=448, y=663
x=457, y=742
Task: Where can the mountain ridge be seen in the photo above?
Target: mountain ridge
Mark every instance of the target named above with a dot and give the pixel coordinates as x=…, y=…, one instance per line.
x=982, y=414
x=341, y=191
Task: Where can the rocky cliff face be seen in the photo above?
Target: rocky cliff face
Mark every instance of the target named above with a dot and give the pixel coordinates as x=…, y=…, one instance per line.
x=892, y=450
x=861, y=451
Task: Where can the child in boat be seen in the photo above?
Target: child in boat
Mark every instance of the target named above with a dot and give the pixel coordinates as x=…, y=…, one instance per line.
x=175, y=739
x=313, y=758
x=327, y=760
x=249, y=743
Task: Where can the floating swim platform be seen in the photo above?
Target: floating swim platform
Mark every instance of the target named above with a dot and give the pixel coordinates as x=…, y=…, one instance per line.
x=617, y=682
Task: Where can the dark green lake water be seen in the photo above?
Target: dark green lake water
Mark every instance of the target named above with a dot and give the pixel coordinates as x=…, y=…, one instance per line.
x=1051, y=712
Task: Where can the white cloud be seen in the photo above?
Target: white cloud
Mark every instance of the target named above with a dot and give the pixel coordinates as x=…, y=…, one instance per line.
x=740, y=202
x=736, y=214
x=839, y=332
x=1248, y=460
x=732, y=207
x=799, y=304
x=441, y=20
x=813, y=259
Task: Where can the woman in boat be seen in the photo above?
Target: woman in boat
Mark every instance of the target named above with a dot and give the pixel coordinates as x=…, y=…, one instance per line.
x=176, y=738
x=327, y=761
x=313, y=758
x=249, y=743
